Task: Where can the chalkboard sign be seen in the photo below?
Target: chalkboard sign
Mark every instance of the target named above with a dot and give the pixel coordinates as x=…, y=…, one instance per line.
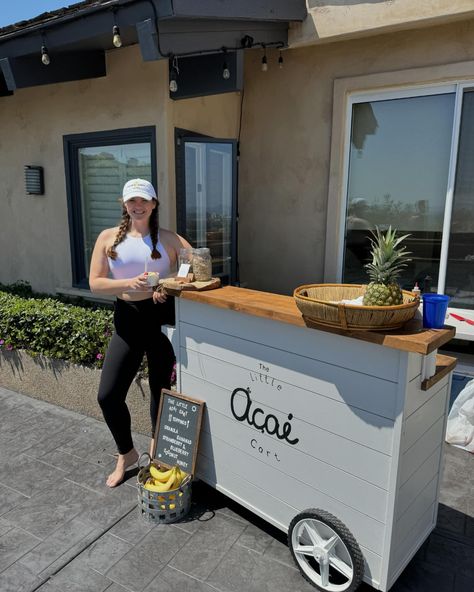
x=177, y=430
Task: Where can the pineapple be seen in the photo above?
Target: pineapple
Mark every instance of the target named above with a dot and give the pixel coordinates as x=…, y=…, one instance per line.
x=387, y=263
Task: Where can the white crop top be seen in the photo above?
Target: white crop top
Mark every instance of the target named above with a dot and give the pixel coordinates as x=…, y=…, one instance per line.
x=131, y=255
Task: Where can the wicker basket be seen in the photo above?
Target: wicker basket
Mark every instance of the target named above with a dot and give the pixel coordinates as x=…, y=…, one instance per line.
x=320, y=305
x=164, y=507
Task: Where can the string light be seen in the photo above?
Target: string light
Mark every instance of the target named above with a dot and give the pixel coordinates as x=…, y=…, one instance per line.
x=225, y=69
x=116, y=39
x=174, y=73
x=46, y=60
x=264, y=59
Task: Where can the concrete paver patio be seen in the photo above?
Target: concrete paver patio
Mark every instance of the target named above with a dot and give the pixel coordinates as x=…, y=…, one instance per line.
x=63, y=530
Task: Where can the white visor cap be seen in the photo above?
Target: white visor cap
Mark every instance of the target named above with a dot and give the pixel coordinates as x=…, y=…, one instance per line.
x=138, y=188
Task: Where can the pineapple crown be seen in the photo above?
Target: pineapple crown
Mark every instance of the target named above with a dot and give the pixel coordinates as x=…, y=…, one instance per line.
x=388, y=261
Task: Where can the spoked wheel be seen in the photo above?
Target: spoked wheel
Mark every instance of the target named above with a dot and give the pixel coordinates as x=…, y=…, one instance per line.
x=325, y=551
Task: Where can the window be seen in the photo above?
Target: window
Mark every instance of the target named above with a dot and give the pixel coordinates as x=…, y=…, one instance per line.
x=206, y=193
x=97, y=166
x=410, y=165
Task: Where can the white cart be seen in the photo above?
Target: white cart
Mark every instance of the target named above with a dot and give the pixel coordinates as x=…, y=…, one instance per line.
x=335, y=439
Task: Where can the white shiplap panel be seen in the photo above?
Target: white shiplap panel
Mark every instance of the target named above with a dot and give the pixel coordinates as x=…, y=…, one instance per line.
x=287, y=463
x=417, y=482
x=404, y=551
x=305, y=408
x=415, y=397
x=414, y=365
x=280, y=513
x=356, y=389
x=415, y=511
x=423, y=448
x=319, y=345
x=424, y=417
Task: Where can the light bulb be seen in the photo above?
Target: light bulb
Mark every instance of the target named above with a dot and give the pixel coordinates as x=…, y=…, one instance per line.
x=117, y=40
x=280, y=62
x=173, y=85
x=264, y=64
x=44, y=56
x=225, y=72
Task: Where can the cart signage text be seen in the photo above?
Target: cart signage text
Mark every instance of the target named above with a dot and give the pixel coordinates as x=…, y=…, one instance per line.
x=255, y=416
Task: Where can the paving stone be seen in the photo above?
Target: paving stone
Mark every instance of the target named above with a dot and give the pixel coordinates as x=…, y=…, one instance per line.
x=451, y=519
x=132, y=528
x=17, y=578
x=255, y=539
x=170, y=579
x=463, y=584
x=13, y=544
x=110, y=507
x=55, y=545
x=140, y=565
x=52, y=508
x=421, y=575
x=207, y=547
x=72, y=553
x=279, y=551
x=452, y=555
x=243, y=569
x=10, y=499
x=105, y=552
x=4, y=526
x=27, y=476
x=77, y=577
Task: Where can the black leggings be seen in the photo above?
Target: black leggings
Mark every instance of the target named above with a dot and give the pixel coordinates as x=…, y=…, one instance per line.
x=137, y=331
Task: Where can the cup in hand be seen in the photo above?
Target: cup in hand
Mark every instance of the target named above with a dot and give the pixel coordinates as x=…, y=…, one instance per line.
x=152, y=278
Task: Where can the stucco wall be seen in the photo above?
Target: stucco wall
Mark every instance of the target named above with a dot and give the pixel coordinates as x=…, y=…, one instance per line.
x=35, y=235
x=330, y=20
x=286, y=143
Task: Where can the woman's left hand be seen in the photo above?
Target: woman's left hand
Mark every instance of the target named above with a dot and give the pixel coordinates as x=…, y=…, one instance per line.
x=159, y=296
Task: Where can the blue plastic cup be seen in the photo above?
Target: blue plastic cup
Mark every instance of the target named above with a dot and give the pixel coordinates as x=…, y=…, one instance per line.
x=435, y=307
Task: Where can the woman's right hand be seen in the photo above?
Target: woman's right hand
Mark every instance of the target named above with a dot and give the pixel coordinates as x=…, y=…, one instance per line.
x=139, y=283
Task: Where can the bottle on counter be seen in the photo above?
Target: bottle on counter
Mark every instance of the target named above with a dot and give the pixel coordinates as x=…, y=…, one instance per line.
x=416, y=290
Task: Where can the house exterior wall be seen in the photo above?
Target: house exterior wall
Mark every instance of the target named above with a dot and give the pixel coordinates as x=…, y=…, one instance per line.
x=291, y=120
x=288, y=134
x=35, y=243
x=330, y=20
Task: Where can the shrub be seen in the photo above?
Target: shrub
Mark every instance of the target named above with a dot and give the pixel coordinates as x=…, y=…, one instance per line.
x=55, y=329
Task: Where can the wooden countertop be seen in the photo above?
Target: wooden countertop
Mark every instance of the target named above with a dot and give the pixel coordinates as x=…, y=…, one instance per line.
x=412, y=338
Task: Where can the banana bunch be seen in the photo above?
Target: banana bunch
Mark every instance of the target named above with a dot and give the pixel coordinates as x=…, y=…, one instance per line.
x=164, y=480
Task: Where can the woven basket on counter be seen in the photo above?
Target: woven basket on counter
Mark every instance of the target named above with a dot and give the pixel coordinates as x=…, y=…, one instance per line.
x=320, y=305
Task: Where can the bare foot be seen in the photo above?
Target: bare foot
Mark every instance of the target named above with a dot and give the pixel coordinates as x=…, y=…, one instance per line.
x=123, y=462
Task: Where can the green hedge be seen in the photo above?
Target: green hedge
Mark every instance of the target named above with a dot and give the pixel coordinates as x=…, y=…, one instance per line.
x=47, y=326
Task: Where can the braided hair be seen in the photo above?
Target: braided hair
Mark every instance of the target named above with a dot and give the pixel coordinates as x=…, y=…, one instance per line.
x=122, y=232
x=124, y=227
x=155, y=254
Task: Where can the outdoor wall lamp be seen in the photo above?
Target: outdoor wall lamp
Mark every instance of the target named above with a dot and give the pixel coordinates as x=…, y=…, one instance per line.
x=34, y=180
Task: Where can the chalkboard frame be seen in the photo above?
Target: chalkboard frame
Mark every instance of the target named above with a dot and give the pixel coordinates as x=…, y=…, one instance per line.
x=176, y=395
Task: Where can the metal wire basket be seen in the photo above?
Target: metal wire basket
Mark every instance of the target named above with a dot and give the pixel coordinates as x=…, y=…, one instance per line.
x=164, y=507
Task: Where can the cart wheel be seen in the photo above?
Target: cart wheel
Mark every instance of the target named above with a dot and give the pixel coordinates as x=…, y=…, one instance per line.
x=325, y=551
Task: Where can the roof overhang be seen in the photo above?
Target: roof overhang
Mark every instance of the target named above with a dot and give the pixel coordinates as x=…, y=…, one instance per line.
x=161, y=27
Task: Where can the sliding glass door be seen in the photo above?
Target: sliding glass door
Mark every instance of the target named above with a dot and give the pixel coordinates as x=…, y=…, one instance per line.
x=410, y=166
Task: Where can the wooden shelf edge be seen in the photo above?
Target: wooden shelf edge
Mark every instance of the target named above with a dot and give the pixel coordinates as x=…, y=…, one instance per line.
x=444, y=365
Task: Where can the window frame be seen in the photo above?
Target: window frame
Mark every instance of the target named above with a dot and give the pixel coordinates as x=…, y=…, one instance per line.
x=181, y=136
x=72, y=143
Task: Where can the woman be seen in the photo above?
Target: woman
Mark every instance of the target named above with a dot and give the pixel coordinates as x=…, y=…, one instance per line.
x=125, y=252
